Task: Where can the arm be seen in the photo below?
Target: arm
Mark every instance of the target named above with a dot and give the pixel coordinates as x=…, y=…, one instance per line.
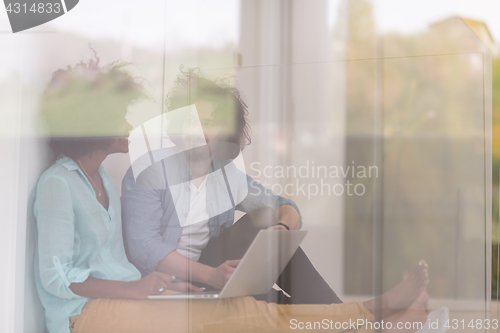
x=288, y=215
x=187, y=269
x=98, y=288
x=55, y=219
x=152, y=284
x=142, y=215
x=258, y=196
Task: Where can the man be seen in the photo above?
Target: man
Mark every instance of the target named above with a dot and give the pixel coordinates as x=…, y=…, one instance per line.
x=179, y=201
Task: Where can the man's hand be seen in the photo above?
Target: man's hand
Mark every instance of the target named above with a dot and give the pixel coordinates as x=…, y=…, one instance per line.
x=288, y=215
x=220, y=275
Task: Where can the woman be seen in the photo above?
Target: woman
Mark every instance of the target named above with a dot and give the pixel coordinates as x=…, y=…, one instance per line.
x=83, y=277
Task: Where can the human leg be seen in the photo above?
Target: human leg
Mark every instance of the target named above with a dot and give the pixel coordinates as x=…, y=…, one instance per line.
x=299, y=278
x=242, y=314
x=235, y=241
x=233, y=244
x=304, y=283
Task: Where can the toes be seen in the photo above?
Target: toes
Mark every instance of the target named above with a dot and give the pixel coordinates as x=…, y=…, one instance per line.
x=422, y=269
x=419, y=270
x=422, y=266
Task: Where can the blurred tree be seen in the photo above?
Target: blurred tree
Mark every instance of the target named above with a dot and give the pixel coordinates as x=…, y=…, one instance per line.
x=428, y=89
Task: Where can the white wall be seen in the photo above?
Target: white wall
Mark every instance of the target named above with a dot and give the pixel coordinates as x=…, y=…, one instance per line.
x=10, y=104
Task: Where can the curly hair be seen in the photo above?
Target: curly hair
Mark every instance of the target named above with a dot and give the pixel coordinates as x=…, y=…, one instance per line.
x=192, y=86
x=84, y=106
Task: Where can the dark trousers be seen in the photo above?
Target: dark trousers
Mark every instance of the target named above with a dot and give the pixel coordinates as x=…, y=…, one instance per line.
x=299, y=279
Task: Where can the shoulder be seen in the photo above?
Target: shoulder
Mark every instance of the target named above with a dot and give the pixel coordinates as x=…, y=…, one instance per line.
x=56, y=173
x=54, y=183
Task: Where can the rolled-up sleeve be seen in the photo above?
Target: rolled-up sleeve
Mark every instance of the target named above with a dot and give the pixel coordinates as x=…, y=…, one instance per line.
x=55, y=220
x=260, y=197
x=142, y=215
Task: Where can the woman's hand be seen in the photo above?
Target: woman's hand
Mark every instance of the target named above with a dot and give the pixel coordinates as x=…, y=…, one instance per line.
x=156, y=283
x=152, y=284
x=220, y=275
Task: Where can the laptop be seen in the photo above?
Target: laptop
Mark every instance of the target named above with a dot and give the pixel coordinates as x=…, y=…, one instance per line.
x=258, y=270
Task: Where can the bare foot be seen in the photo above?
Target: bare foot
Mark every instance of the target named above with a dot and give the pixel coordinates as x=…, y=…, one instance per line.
x=410, y=320
x=404, y=294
